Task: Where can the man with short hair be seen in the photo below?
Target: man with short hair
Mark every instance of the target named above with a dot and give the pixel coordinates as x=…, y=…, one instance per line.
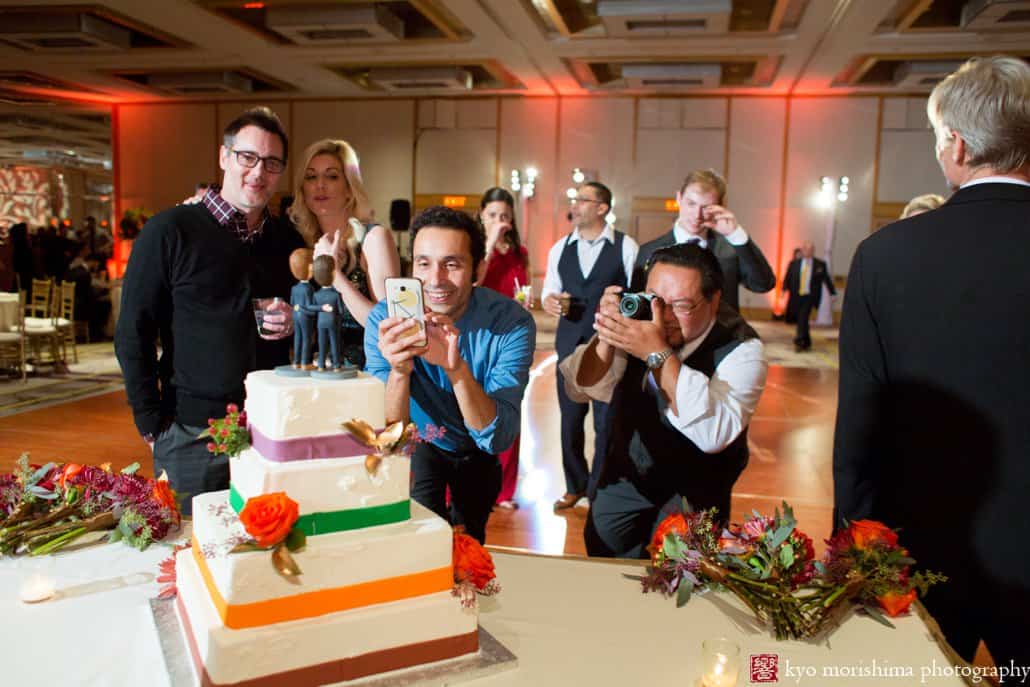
x=580, y=266
x=190, y=282
x=933, y=422
x=682, y=386
x=461, y=382
x=704, y=220
x=805, y=278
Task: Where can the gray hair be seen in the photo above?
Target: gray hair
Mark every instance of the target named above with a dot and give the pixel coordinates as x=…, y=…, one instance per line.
x=987, y=101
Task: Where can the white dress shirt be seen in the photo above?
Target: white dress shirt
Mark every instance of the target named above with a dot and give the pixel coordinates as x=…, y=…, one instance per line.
x=995, y=180
x=712, y=412
x=588, y=252
x=738, y=237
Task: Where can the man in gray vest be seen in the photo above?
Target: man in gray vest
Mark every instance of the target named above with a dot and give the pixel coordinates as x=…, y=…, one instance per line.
x=580, y=266
x=682, y=386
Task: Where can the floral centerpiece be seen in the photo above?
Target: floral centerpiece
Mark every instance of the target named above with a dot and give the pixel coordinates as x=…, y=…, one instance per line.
x=45, y=508
x=228, y=435
x=770, y=565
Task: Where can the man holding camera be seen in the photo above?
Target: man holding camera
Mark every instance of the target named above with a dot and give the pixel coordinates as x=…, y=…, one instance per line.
x=461, y=381
x=704, y=220
x=579, y=268
x=683, y=380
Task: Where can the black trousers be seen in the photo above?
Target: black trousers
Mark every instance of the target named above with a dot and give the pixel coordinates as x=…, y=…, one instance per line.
x=192, y=469
x=474, y=478
x=625, y=513
x=579, y=479
x=804, y=336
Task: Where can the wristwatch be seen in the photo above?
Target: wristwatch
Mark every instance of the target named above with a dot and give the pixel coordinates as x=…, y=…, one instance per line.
x=656, y=360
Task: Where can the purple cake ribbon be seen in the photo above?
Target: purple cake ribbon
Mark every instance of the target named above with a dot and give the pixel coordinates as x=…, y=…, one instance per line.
x=340, y=445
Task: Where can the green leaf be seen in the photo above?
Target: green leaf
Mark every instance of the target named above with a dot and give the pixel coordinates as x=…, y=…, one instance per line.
x=778, y=537
x=42, y=493
x=820, y=568
x=787, y=555
x=684, y=592
x=115, y=535
x=876, y=615
x=674, y=547
x=41, y=473
x=296, y=540
x=130, y=469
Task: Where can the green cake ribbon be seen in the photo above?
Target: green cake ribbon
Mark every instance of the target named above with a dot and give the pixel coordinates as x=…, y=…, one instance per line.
x=314, y=524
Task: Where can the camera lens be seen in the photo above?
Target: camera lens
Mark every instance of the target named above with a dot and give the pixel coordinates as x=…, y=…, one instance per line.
x=404, y=288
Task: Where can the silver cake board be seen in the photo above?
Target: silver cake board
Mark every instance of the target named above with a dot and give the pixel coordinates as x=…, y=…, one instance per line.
x=492, y=658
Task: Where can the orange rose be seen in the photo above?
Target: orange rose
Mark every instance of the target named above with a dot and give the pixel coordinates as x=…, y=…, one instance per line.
x=70, y=470
x=896, y=603
x=471, y=561
x=675, y=523
x=869, y=533
x=164, y=495
x=269, y=517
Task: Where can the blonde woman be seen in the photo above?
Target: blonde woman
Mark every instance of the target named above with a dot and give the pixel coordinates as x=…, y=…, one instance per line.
x=332, y=213
x=921, y=204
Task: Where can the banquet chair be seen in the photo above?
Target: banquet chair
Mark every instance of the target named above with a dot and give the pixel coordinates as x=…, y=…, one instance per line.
x=64, y=318
x=12, y=343
x=40, y=326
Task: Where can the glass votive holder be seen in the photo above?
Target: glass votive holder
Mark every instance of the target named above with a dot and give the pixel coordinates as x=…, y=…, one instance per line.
x=720, y=662
x=37, y=582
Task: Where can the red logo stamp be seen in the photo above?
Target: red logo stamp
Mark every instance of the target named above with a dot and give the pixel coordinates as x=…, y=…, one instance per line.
x=764, y=668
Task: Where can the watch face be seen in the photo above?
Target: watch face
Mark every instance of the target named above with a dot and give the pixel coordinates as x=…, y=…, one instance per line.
x=654, y=360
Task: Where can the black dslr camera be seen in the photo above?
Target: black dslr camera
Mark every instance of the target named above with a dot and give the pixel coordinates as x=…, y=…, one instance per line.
x=636, y=306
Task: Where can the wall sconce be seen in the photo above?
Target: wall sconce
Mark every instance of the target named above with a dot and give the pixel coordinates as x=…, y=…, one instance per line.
x=825, y=198
x=528, y=187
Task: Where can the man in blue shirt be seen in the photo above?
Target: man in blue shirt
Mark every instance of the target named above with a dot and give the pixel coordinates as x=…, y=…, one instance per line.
x=462, y=381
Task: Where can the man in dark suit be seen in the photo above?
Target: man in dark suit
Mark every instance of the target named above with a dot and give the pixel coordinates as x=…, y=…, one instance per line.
x=805, y=278
x=703, y=220
x=933, y=423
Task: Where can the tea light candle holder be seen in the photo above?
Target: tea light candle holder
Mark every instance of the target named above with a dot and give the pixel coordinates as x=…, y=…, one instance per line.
x=37, y=587
x=720, y=663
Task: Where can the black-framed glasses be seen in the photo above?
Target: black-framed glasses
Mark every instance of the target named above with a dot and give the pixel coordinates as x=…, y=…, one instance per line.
x=273, y=165
x=685, y=307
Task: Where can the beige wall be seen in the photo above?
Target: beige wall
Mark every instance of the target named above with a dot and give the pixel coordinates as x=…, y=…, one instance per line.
x=640, y=147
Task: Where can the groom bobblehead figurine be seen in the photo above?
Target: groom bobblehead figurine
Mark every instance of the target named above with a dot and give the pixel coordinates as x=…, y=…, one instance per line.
x=329, y=306
x=302, y=298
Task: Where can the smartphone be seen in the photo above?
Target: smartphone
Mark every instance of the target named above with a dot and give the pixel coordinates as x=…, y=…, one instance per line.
x=404, y=299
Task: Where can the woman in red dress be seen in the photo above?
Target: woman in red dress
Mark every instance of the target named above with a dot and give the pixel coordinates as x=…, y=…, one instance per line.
x=506, y=270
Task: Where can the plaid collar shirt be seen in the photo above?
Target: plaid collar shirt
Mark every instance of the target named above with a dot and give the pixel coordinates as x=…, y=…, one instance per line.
x=228, y=216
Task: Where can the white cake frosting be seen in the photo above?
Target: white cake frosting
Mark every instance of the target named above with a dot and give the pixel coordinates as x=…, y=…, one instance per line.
x=231, y=656
x=324, y=485
x=283, y=407
x=329, y=561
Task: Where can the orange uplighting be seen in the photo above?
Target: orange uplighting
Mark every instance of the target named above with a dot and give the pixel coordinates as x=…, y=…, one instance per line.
x=671, y=205
x=103, y=223
x=67, y=223
x=454, y=201
x=253, y=5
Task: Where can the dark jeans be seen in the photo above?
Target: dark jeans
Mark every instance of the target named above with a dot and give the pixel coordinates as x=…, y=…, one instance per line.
x=579, y=479
x=191, y=468
x=474, y=478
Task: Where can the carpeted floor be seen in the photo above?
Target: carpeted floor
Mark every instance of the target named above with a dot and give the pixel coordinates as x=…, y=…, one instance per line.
x=96, y=372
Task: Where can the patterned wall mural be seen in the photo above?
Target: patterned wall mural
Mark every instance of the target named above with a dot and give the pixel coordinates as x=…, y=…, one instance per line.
x=25, y=196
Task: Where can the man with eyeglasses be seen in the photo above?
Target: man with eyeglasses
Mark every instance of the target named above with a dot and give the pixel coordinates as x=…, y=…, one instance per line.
x=189, y=285
x=704, y=220
x=682, y=387
x=580, y=266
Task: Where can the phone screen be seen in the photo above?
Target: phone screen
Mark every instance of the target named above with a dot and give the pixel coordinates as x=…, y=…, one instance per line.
x=404, y=299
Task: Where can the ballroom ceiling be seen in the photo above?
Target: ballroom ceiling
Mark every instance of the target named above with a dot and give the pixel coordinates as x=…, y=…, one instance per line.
x=146, y=50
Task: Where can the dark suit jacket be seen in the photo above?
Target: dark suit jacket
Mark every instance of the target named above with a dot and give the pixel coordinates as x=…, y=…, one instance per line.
x=933, y=421
x=741, y=265
x=820, y=276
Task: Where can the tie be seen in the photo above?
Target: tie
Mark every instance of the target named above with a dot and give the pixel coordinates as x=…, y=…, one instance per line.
x=803, y=291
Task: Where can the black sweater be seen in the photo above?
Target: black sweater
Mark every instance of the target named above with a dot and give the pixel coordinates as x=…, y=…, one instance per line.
x=189, y=284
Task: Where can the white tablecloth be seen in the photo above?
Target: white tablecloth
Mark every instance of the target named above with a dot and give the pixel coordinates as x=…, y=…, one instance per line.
x=569, y=622
x=8, y=311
